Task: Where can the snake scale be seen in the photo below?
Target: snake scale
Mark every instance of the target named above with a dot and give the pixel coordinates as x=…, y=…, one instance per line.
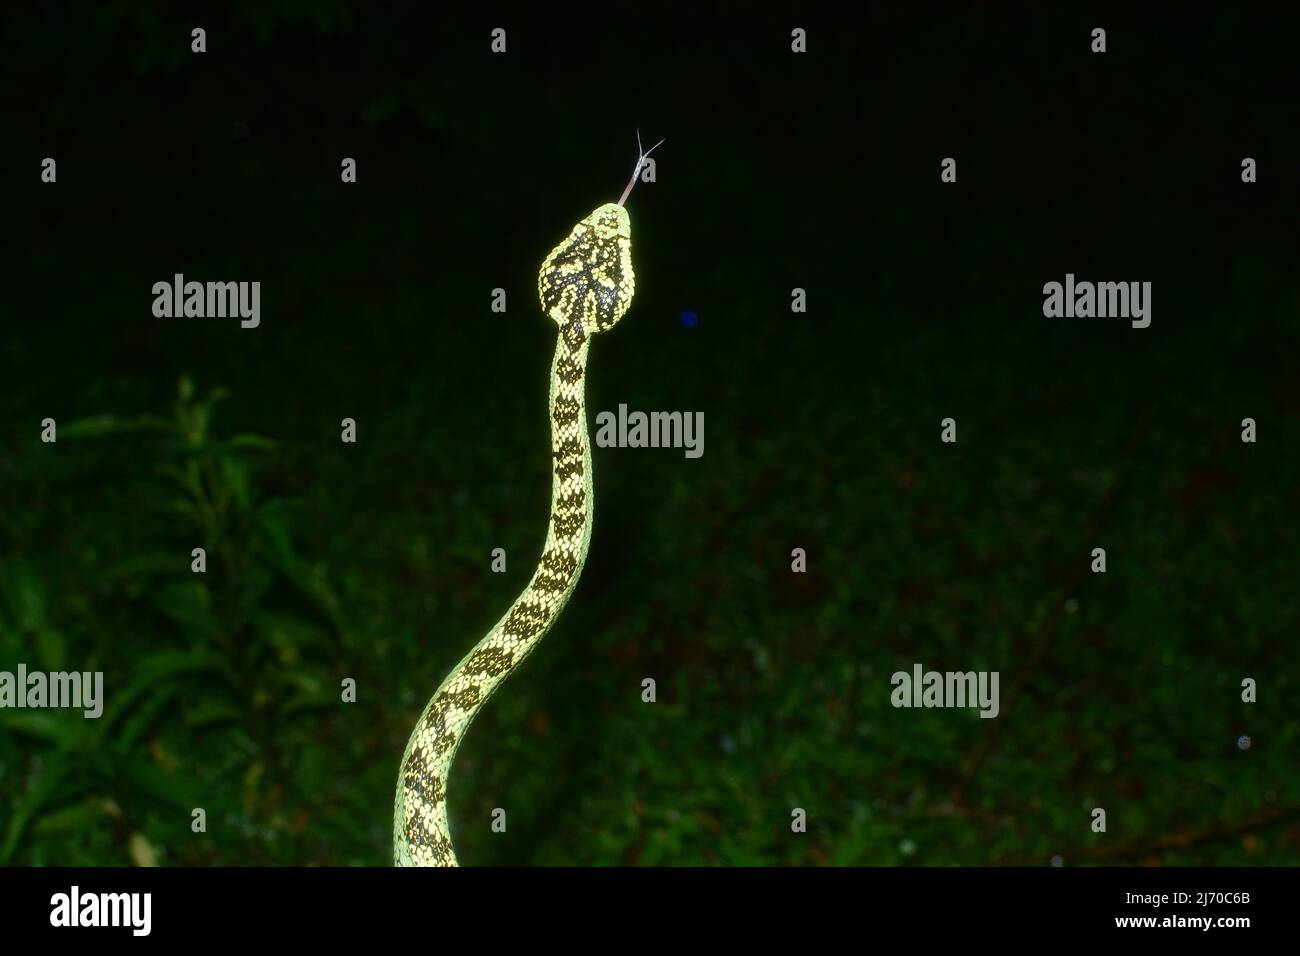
x=585, y=285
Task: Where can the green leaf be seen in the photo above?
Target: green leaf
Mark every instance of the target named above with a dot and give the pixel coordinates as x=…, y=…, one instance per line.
x=54, y=727
x=52, y=645
x=145, y=715
x=208, y=713
x=148, y=778
x=252, y=442
x=23, y=596
x=150, y=563
x=74, y=819
x=163, y=666
x=46, y=787
x=234, y=473
x=99, y=426
x=189, y=604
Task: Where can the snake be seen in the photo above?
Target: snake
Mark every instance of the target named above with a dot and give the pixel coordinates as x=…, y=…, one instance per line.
x=585, y=286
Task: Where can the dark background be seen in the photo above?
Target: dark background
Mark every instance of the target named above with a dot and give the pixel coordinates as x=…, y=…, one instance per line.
x=371, y=561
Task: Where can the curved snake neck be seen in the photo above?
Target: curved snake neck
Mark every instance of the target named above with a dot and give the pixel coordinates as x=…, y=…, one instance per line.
x=585, y=285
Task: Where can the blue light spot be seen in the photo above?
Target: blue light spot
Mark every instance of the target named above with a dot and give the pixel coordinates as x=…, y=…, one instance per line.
x=690, y=319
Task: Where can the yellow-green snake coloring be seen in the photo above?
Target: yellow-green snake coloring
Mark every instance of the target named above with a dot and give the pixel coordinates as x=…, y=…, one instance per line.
x=585, y=285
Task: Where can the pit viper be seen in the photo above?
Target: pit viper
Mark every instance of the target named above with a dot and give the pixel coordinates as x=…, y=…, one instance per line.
x=585, y=286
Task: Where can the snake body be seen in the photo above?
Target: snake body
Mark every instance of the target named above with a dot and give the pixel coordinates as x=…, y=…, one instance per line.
x=585, y=286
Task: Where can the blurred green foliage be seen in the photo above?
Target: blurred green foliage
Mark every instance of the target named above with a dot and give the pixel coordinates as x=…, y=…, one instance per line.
x=223, y=689
x=232, y=654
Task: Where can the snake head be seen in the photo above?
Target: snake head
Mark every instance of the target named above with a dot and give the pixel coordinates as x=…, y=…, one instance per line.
x=587, y=279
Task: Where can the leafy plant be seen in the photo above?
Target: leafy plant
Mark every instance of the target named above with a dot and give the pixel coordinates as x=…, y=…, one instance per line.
x=236, y=640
